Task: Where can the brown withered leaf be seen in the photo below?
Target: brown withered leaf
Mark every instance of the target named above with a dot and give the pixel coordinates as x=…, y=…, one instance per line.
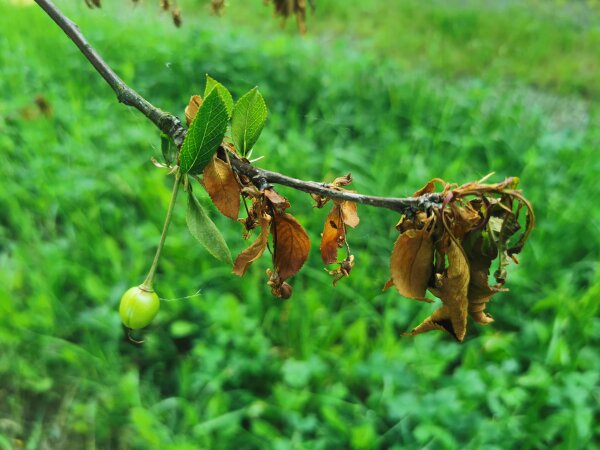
x=255, y=251
x=291, y=245
x=452, y=289
x=480, y=293
x=342, y=181
x=222, y=186
x=388, y=284
x=279, y=202
x=349, y=214
x=440, y=320
x=279, y=288
x=419, y=221
x=480, y=258
x=429, y=187
x=344, y=269
x=333, y=235
x=411, y=263
x=192, y=108
x=464, y=219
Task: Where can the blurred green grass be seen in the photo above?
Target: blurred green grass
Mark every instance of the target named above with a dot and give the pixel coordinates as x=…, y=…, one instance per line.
x=81, y=209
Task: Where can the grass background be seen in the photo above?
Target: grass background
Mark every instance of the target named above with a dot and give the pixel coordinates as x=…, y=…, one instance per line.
x=395, y=92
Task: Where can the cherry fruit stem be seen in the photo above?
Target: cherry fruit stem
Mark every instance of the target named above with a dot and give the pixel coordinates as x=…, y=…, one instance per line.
x=147, y=284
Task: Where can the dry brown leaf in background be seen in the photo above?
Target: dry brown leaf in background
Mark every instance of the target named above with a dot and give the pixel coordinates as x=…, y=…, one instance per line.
x=177, y=20
x=349, y=214
x=93, y=3
x=286, y=8
x=291, y=245
x=192, y=108
x=411, y=263
x=217, y=6
x=222, y=186
x=255, y=251
x=333, y=235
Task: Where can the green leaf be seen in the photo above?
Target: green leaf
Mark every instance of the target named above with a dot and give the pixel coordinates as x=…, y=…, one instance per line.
x=249, y=117
x=205, y=134
x=211, y=83
x=168, y=147
x=205, y=231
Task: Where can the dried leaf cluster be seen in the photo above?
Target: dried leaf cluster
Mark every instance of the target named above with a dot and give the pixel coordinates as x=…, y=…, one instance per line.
x=343, y=214
x=281, y=8
x=285, y=8
x=217, y=6
x=291, y=244
x=449, y=251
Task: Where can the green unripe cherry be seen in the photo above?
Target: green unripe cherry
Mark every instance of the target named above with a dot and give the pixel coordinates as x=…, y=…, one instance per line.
x=139, y=305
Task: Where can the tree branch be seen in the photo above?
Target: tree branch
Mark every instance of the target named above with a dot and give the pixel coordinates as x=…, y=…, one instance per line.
x=261, y=178
x=164, y=121
x=171, y=125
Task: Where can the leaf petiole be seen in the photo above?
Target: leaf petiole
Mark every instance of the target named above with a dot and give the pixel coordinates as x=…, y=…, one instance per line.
x=147, y=284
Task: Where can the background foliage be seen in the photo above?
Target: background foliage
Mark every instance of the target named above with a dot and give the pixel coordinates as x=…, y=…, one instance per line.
x=396, y=95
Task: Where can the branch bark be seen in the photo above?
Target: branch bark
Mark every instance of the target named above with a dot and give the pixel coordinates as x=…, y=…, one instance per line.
x=171, y=125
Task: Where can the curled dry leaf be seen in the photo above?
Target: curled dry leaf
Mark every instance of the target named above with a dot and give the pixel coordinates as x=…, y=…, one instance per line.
x=451, y=288
x=480, y=253
x=464, y=220
x=349, y=214
x=344, y=269
x=279, y=288
x=333, y=235
x=222, y=186
x=255, y=251
x=411, y=263
x=342, y=181
x=429, y=187
x=438, y=320
x=279, y=202
x=291, y=245
x=192, y=108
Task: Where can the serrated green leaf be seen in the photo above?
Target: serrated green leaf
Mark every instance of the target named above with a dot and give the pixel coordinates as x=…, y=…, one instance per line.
x=211, y=83
x=205, y=134
x=168, y=147
x=205, y=231
x=249, y=117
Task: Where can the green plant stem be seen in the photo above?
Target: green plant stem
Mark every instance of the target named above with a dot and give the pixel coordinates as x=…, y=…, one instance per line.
x=147, y=284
